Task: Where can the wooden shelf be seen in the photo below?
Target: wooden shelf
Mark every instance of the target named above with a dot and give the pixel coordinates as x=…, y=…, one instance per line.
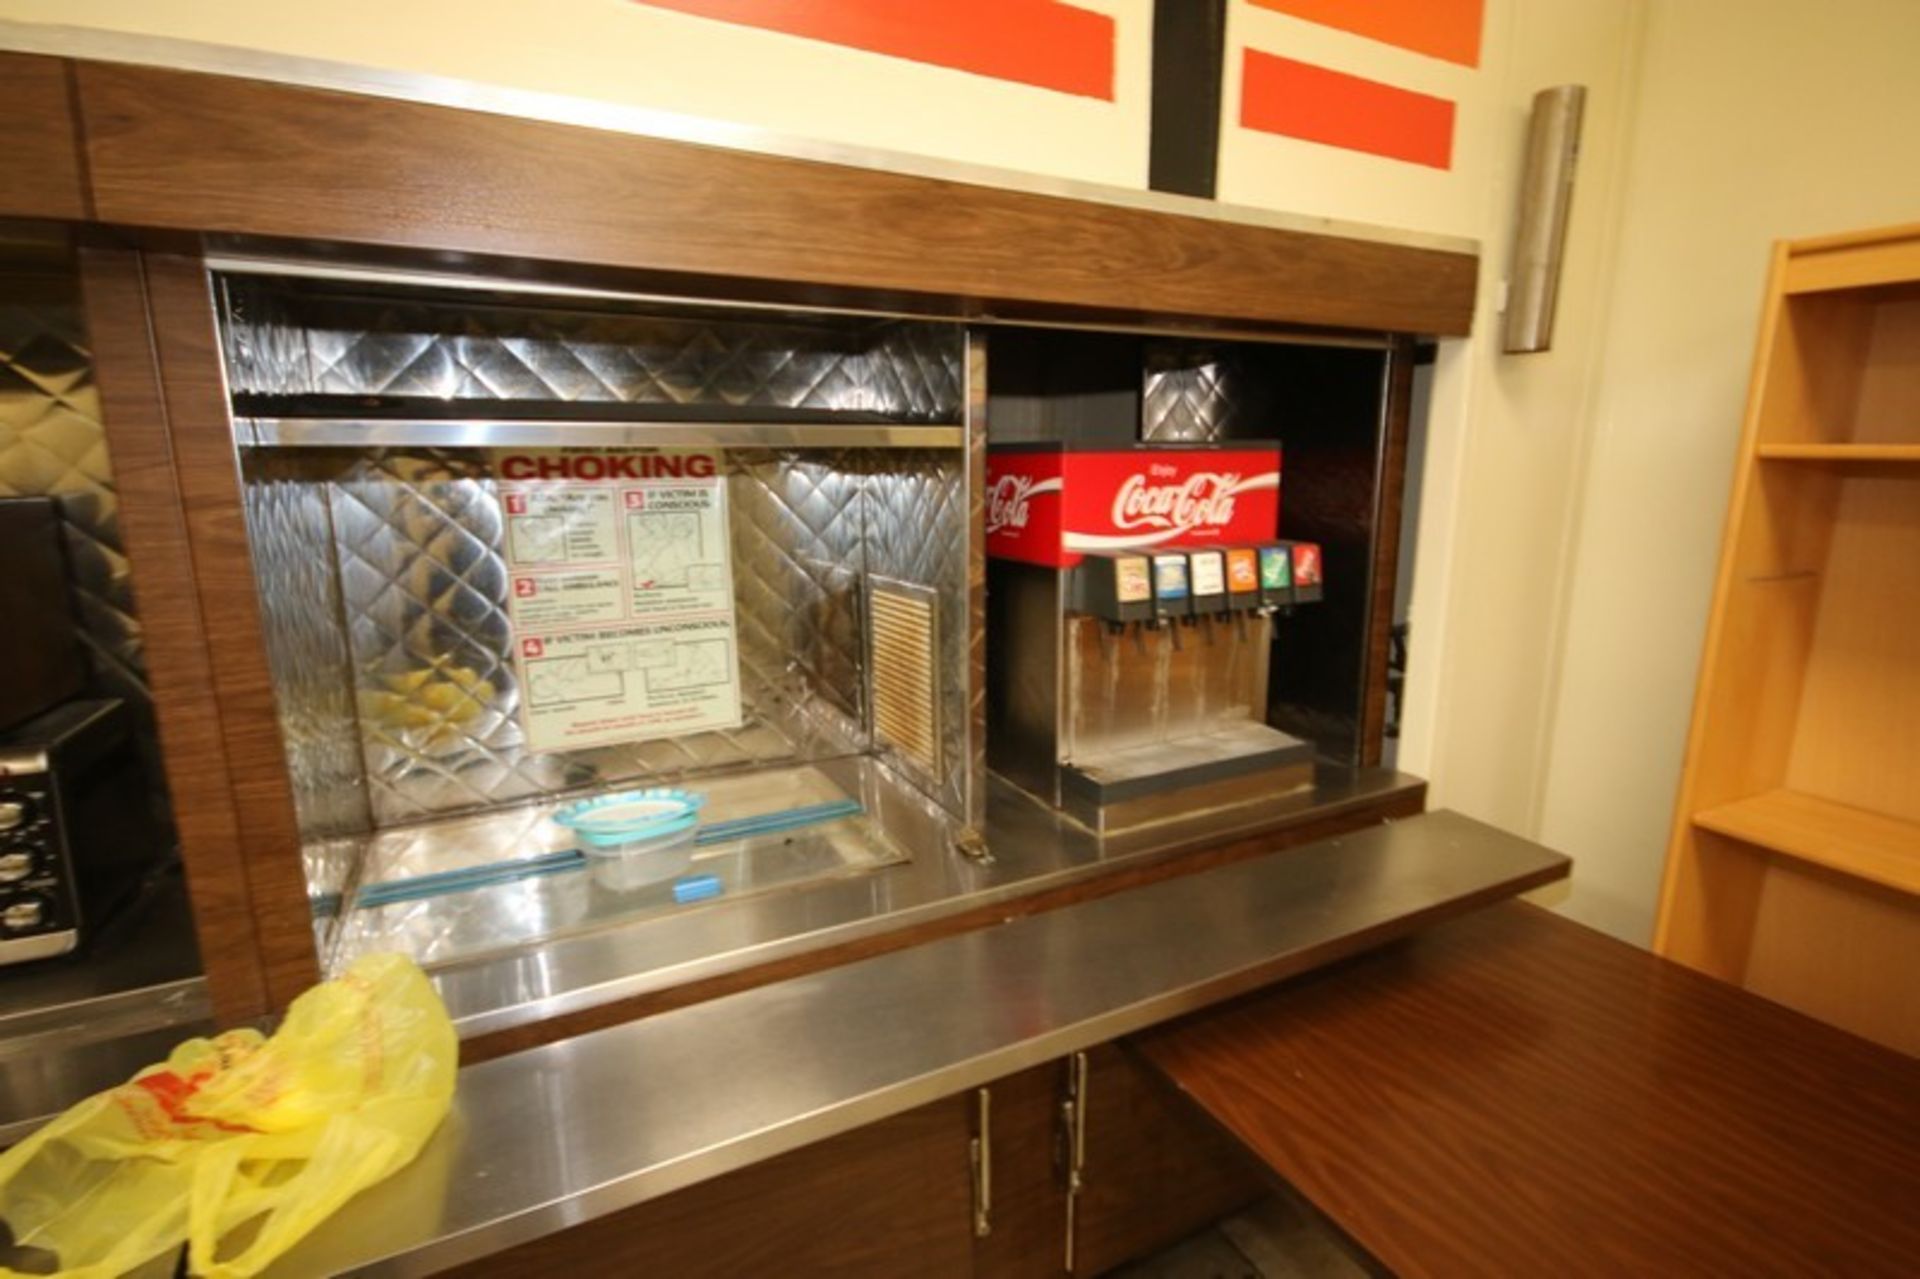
x=1794, y=867
x=1840, y=452
x=1866, y=845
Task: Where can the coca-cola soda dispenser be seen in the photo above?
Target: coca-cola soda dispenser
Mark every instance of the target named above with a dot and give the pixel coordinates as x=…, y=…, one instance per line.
x=1131, y=592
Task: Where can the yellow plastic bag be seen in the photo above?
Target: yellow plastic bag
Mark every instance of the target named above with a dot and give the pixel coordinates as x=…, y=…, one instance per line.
x=240, y=1130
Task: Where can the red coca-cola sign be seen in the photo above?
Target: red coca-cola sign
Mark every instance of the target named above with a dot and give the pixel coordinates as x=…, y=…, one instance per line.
x=1051, y=505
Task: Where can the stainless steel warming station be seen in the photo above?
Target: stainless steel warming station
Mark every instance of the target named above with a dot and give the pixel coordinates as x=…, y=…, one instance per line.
x=518, y=548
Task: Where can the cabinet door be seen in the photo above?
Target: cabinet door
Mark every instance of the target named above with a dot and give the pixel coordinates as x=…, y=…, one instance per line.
x=1155, y=1170
x=1027, y=1217
x=893, y=1198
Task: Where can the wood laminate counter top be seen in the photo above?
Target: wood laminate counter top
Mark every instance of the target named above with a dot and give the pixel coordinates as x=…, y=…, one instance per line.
x=1514, y=1094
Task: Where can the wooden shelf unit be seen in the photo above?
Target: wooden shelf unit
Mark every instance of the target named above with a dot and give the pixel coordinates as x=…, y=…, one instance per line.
x=1794, y=865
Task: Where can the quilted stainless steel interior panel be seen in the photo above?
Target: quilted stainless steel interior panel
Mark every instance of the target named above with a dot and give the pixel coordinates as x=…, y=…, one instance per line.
x=52, y=445
x=1192, y=392
x=289, y=525
x=285, y=341
x=415, y=544
x=384, y=600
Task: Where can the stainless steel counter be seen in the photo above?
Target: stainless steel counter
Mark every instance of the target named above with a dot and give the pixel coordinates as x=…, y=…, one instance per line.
x=559, y=1135
x=70, y=1027
x=69, y=1030
x=1034, y=848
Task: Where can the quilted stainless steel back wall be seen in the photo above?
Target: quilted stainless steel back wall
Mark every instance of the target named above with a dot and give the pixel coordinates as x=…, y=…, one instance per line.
x=382, y=575
x=398, y=696
x=1192, y=392
x=52, y=445
x=283, y=340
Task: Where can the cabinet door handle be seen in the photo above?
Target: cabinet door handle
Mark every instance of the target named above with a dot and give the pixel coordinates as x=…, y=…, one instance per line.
x=981, y=1151
x=1073, y=1113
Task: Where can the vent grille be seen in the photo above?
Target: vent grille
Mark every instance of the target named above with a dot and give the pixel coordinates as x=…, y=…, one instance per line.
x=903, y=620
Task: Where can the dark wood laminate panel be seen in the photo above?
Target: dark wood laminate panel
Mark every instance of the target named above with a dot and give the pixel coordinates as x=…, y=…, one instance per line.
x=1389, y=507
x=175, y=149
x=1404, y=802
x=40, y=173
x=187, y=347
x=153, y=522
x=893, y=1198
x=1155, y=1171
x=1514, y=1094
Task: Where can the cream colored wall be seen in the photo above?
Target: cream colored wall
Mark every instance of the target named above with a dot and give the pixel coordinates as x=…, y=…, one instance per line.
x=1508, y=437
x=1758, y=119
x=1592, y=483
x=618, y=51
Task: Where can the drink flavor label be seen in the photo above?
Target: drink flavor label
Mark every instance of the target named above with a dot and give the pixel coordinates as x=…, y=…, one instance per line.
x=1243, y=570
x=1132, y=585
x=1209, y=573
x=1306, y=564
x=1276, y=568
x=1170, y=576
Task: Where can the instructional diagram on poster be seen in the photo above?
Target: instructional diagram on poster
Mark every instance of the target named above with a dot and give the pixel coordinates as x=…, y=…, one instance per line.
x=620, y=593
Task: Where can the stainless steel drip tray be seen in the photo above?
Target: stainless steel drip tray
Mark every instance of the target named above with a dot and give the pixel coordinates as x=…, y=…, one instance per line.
x=463, y=889
x=1225, y=750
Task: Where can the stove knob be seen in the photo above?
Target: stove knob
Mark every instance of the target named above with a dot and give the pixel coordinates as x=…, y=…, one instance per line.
x=22, y=915
x=15, y=866
x=14, y=812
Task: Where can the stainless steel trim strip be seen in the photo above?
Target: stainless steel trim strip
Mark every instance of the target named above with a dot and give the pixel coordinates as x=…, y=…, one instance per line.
x=313, y=432
x=192, y=55
x=973, y=777
x=575, y=1130
x=231, y=256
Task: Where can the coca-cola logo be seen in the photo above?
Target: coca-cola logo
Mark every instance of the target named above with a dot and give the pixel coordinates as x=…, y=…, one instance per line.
x=1201, y=500
x=1010, y=498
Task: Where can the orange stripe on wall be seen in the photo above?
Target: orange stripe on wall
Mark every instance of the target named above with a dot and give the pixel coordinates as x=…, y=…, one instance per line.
x=1447, y=29
x=1299, y=100
x=1037, y=42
